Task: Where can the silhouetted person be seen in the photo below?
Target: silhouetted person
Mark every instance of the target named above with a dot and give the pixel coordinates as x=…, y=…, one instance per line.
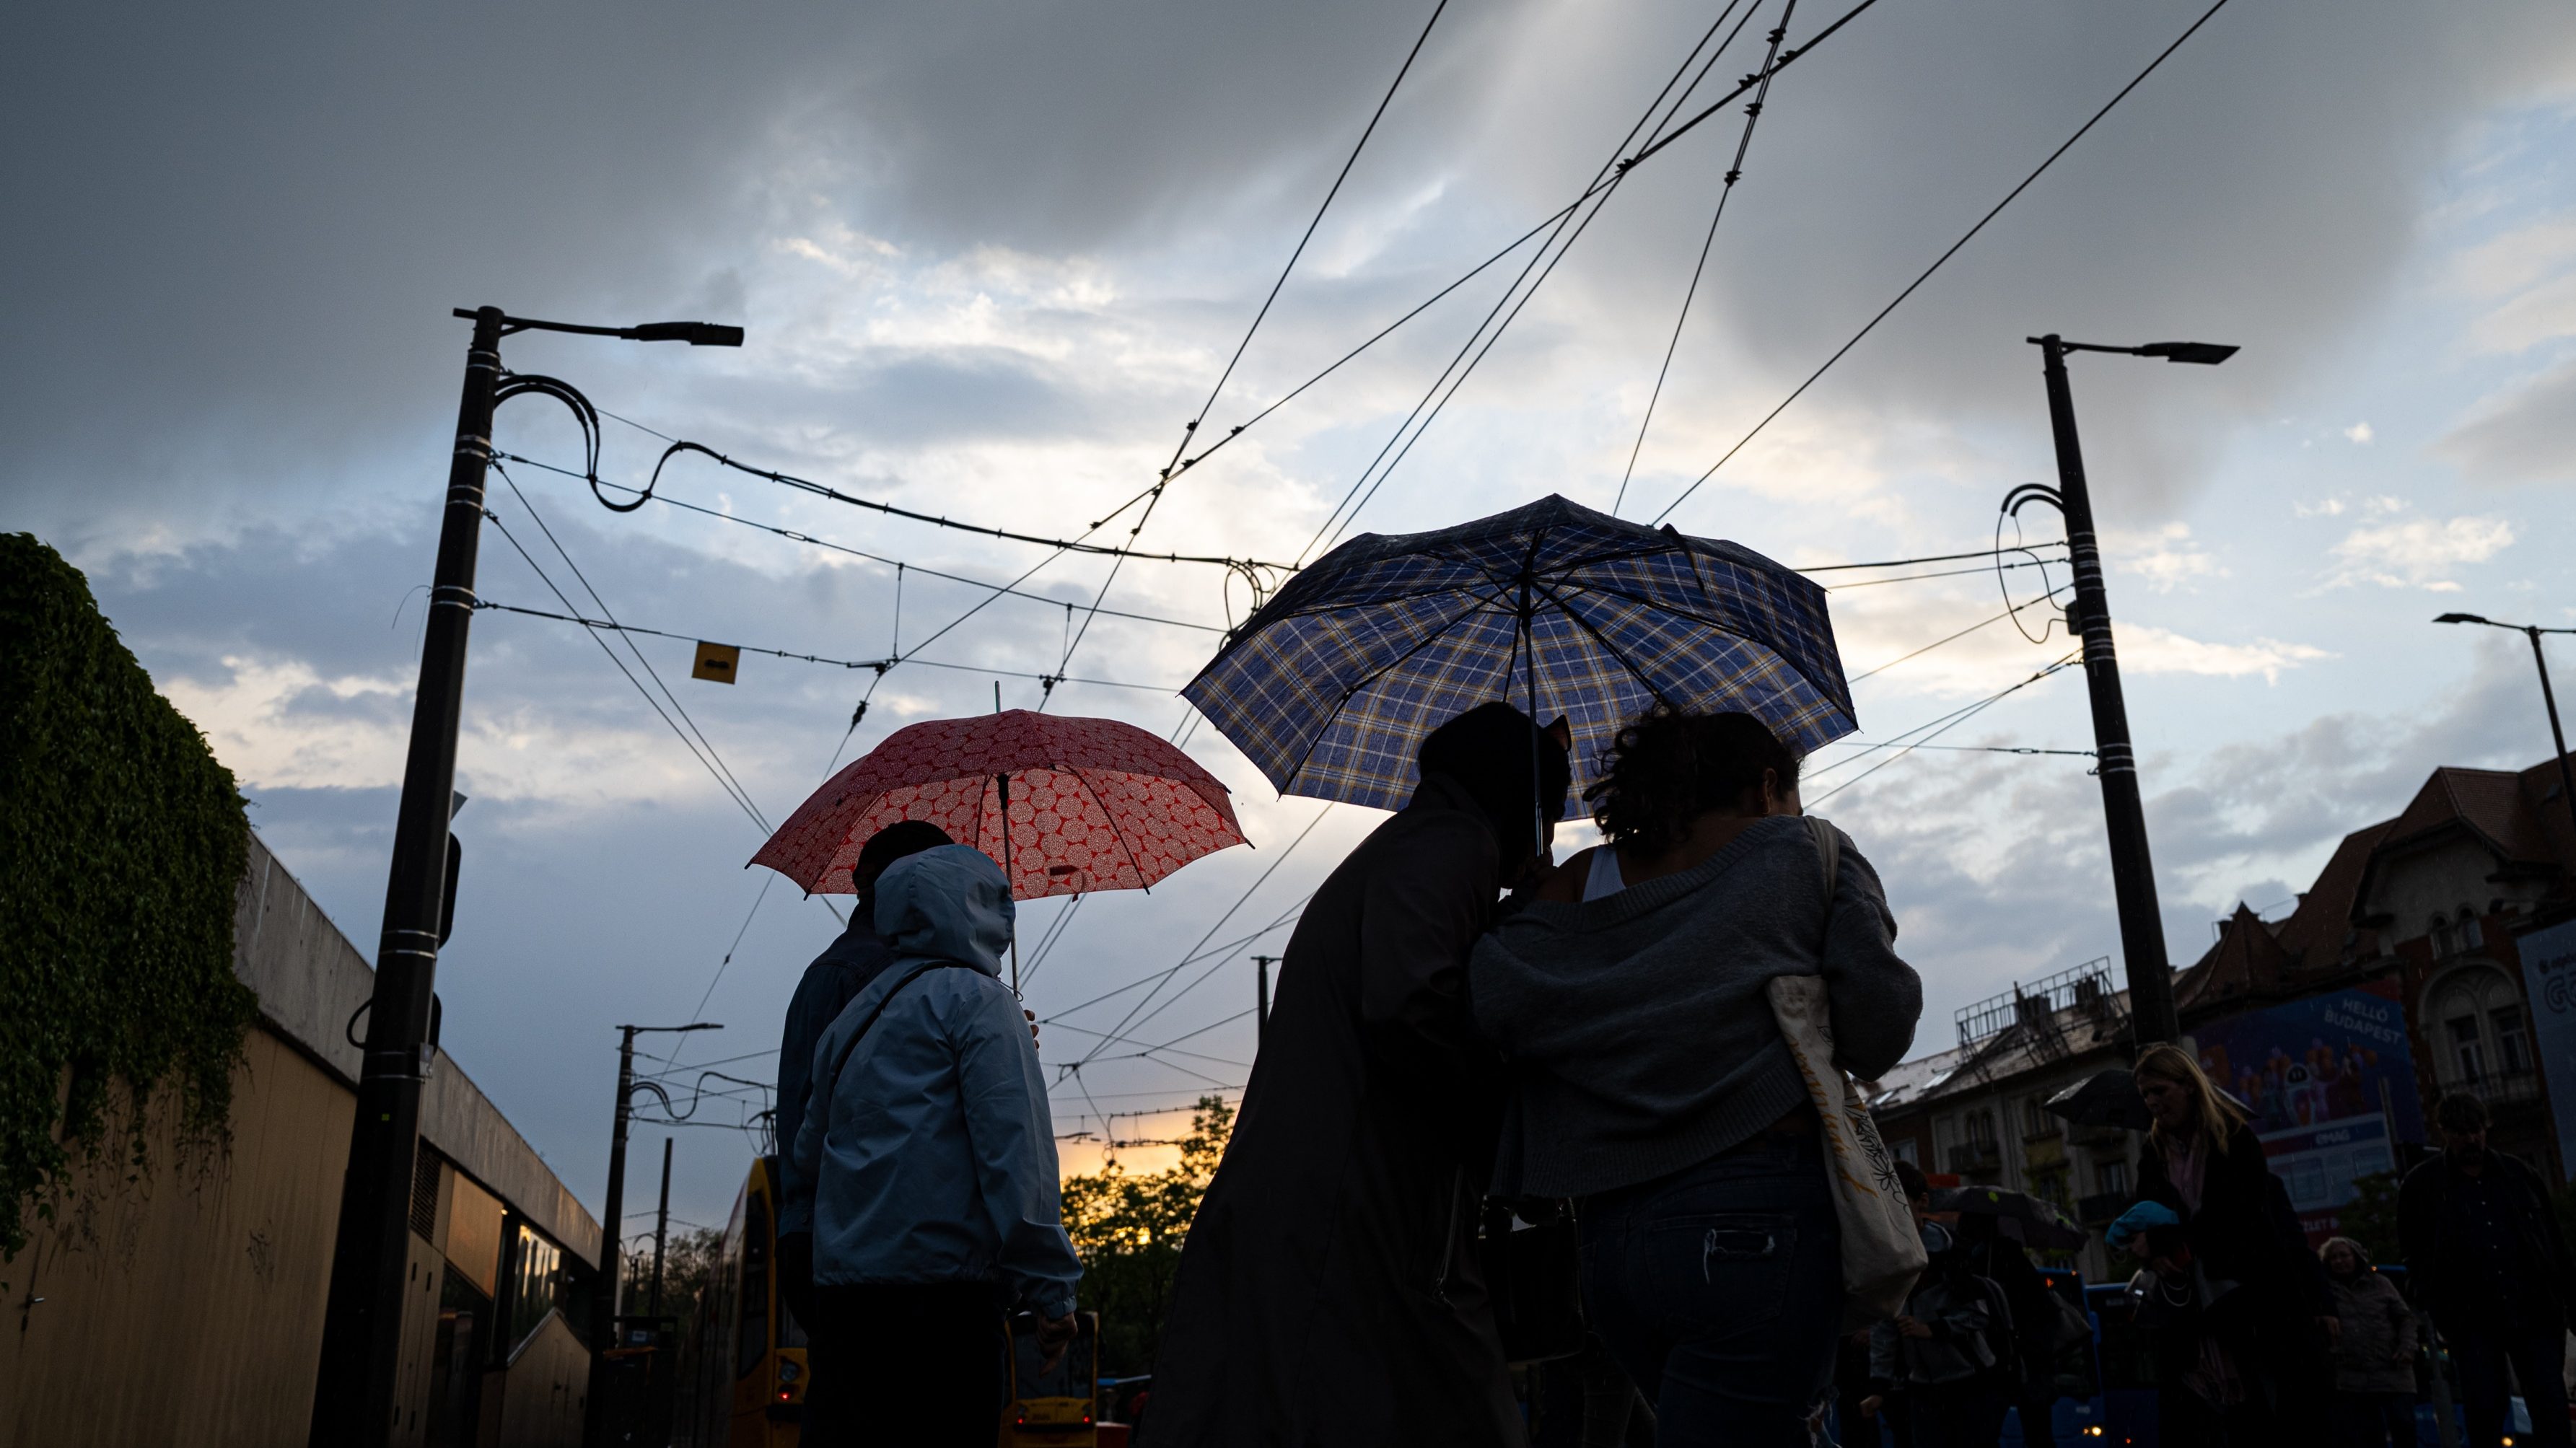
x=2484, y=1254
x=2374, y=1352
x=1328, y=1292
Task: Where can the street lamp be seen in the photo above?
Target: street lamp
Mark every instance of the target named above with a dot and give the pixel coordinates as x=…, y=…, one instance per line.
x=353, y=1395
x=2133, y=881
x=2558, y=736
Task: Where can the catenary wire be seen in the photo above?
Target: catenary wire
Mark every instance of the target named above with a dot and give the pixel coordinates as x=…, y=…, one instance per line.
x=1258, y=881
x=1752, y=115
x=1191, y=429
x=880, y=665
x=1603, y=181
x=611, y=615
x=898, y=564
x=1952, y=722
x=1943, y=258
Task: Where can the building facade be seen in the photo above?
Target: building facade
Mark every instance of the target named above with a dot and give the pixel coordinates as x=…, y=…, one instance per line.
x=2435, y=952
x=185, y=1306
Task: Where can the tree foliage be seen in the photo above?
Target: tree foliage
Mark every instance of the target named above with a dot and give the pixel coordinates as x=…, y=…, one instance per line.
x=1128, y=1228
x=121, y=861
x=2370, y=1218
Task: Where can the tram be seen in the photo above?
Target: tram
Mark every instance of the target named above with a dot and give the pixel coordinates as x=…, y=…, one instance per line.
x=746, y=1383
x=747, y=1373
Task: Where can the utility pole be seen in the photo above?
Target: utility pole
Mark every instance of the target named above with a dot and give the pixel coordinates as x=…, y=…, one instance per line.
x=612, y=1236
x=661, y=1226
x=1261, y=999
x=353, y=1397
x=2133, y=880
x=354, y=1385
x=2548, y=697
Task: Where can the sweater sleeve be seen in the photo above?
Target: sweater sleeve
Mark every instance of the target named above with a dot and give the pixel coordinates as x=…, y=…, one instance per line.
x=1013, y=1141
x=1876, y=997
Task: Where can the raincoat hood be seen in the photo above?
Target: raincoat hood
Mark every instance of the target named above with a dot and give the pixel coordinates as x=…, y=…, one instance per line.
x=948, y=903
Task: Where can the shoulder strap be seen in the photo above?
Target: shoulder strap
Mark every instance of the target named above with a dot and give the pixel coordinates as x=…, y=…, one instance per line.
x=1829, y=848
x=917, y=972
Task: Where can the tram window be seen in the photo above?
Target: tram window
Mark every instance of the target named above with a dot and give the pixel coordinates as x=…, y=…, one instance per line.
x=752, y=1343
x=536, y=1283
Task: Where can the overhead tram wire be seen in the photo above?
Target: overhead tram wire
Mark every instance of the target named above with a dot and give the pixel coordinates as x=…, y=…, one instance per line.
x=719, y=775
x=2011, y=612
x=898, y=564
x=682, y=710
x=1944, y=257
x=1191, y=429
x=880, y=665
x=1752, y=116
x=1516, y=243
x=1262, y=879
x=1936, y=728
x=1612, y=173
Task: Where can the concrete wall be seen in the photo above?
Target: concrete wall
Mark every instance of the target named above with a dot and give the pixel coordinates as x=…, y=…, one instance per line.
x=185, y=1306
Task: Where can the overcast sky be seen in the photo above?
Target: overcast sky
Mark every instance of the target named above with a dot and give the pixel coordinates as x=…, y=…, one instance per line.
x=992, y=256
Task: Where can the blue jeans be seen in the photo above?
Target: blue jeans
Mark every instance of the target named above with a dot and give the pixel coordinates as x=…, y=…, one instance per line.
x=1719, y=1288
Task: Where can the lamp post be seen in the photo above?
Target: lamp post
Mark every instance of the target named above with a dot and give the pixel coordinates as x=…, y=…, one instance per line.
x=2133, y=881
x=354, y=1386
x=603, y=1302
x=2557, y=736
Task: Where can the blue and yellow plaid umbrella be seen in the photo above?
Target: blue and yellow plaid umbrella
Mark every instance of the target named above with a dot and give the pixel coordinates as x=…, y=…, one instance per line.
x=1553, y=607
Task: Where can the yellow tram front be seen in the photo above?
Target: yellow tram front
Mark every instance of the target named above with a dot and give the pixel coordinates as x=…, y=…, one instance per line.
x=1052, y=1408
x=748, y=1381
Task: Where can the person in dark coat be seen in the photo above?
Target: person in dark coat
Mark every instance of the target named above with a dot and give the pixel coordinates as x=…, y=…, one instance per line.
x=1328, y=1292
x=837, y=975
x=2486, y=1257
x=2374, y=1352
x=2264, y=1304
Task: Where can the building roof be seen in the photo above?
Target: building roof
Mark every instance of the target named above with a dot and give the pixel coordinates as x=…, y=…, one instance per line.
x=310, y=981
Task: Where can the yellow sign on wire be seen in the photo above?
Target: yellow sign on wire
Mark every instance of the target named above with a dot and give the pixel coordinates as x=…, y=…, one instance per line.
x=717, y=661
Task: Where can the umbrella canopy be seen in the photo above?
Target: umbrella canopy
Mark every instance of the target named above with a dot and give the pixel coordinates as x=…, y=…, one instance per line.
x=1067, y=805
x=1553, y=607
x=2024, y=1218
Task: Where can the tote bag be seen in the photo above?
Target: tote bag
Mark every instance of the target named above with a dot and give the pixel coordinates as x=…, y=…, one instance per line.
x=1882, y=1251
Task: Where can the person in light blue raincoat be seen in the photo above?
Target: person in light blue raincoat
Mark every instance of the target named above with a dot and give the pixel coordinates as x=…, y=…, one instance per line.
x=927, y=1136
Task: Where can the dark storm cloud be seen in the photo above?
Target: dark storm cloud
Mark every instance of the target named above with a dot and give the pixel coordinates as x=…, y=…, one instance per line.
x=242, y=230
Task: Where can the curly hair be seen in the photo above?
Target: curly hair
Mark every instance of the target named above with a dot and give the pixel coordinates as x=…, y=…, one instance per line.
x=1668, y=767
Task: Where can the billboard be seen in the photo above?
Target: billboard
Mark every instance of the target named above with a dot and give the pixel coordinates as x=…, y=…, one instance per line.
x=2331, y=1082
x=2549, y=981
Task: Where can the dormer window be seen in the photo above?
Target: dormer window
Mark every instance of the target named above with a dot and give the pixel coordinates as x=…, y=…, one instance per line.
x=2440, y=932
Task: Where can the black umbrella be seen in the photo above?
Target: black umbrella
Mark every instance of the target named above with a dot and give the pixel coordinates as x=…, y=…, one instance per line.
x=2109, y=1098
x=2024, y=1218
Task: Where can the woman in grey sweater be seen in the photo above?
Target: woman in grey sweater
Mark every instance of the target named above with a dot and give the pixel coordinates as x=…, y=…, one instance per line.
x=1651, y=1084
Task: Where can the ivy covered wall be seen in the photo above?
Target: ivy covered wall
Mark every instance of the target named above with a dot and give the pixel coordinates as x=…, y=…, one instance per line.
x=122, y=845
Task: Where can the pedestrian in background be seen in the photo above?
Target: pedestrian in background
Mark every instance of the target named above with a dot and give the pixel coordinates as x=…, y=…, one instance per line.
x=1650, y=1078
x=1329, y=1291
x=932, y=1154
x=843, y=970
x=2374, y=1351
x=2262, y=1301
x=2485, y=1255
x=1944, y=1366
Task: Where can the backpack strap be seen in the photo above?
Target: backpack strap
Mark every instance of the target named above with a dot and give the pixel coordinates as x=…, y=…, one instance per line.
x=1829, y=848
x=917, y=972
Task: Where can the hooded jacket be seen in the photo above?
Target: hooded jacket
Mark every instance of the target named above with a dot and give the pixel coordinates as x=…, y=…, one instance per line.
x=928, y=1137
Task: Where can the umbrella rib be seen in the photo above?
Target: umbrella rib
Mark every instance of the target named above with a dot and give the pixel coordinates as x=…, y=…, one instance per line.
x=1111, y=816
x=1604, y=640
x=1373, y=676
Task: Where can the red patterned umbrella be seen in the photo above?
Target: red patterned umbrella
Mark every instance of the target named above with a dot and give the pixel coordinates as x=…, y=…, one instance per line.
x=1067, y=805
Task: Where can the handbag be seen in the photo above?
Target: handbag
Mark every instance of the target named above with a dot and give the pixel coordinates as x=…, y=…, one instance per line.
x=1882, y=1251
